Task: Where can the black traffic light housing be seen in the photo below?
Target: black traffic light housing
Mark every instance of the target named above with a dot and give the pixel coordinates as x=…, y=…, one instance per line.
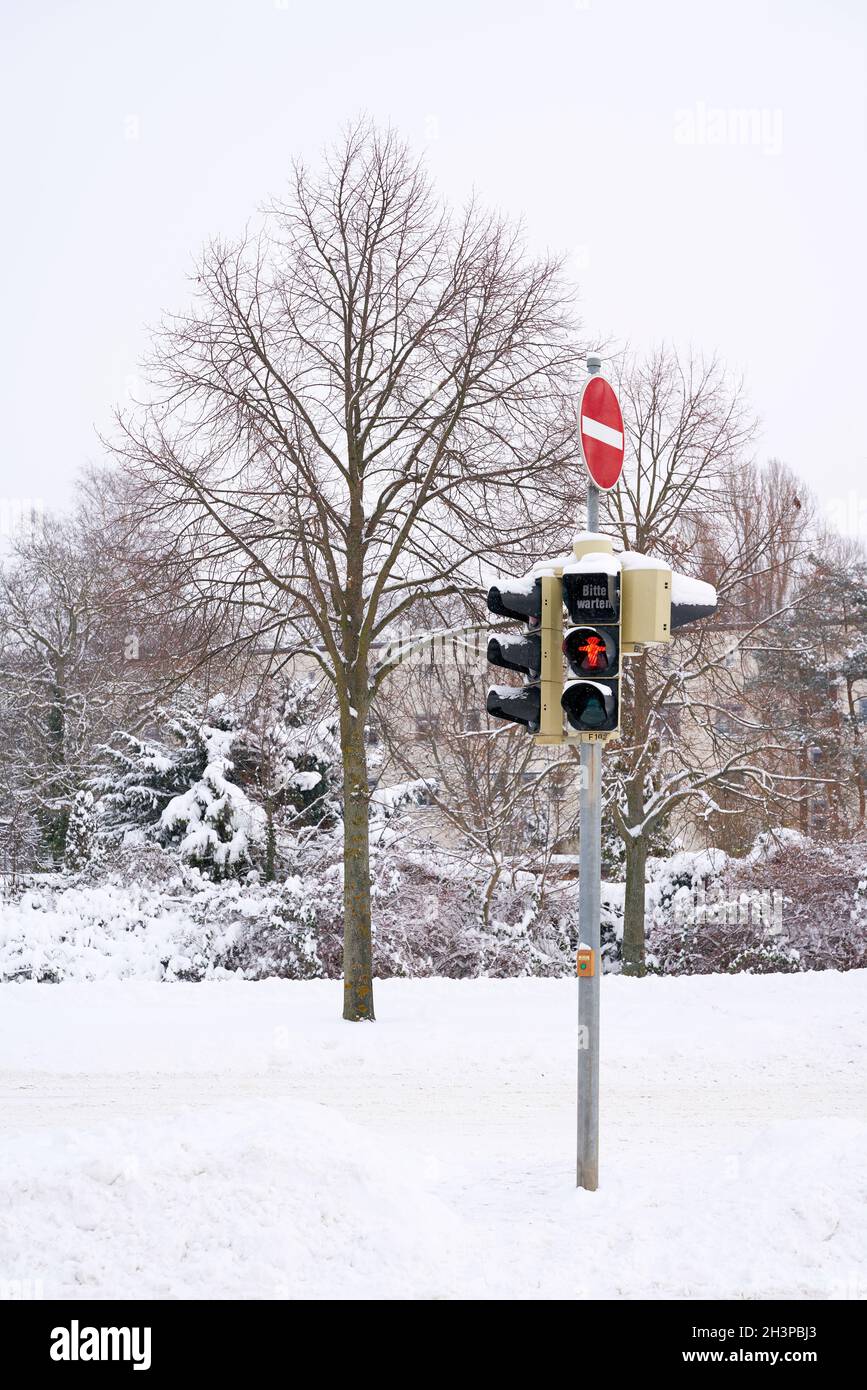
x=691, y=600
x=522, y=654
x=519, y=703
x=592, y=596
x=520, y=599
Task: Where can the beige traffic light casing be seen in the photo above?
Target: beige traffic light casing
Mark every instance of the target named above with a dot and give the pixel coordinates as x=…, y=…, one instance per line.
x=645, y=604
x=551, y=681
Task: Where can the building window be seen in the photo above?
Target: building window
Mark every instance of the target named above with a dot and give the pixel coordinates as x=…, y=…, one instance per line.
x=426, y=722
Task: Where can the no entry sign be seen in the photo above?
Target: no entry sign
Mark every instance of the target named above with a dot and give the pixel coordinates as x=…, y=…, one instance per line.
x=600, y=429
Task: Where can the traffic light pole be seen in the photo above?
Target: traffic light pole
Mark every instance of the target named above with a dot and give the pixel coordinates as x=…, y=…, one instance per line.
x=589, y=929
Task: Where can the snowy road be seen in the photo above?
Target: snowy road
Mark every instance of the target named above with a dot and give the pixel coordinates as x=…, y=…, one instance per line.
x=234, y=1139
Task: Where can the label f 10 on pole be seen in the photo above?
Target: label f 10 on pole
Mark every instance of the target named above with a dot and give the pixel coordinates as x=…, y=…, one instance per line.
x=600, y=432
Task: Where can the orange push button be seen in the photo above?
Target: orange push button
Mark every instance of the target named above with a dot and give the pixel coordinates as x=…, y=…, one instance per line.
x=585, y=963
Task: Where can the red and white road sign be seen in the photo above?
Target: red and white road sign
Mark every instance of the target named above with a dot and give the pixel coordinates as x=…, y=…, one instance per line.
x=600, y=429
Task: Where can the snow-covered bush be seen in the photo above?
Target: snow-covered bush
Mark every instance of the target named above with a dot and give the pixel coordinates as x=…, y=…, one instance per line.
x=771, y=843
x=188, y=928
x=144, y=911
x=299, y=760
x=187, y=792
x=291, y=930
x=721, y=938
x=680, y=883
x=611, y=907
x=789, y=904
x=141, y=775
x=699, y=923
x=820, y=901
x=227, y=797
x=93, y=932
x=151, y=915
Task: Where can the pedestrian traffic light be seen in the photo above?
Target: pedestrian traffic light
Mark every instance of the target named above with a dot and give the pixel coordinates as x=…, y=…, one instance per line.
x=521, y=704
x=617, y=605
x=591, y=592
x=591, y=651
x=592, y=706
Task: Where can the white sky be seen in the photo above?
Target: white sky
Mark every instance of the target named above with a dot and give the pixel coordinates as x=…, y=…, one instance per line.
x=133, y=131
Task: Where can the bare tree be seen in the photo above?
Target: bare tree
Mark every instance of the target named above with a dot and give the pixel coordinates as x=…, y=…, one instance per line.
x=83, y=651
x=62, y=669
x=365, y=399
x=690, y=495
x=503, y=805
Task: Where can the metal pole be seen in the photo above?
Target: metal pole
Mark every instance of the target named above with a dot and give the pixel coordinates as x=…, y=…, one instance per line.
x=589, y=887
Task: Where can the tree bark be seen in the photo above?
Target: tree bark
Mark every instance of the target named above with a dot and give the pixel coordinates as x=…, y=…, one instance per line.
x=638, y=729
x=357, y=934
x=634, y=906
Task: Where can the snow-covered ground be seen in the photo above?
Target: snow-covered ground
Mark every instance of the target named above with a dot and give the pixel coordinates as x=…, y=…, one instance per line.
x=238, y=1139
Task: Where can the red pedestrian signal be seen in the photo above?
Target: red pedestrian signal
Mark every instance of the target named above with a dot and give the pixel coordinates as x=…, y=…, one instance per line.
x=592, y=651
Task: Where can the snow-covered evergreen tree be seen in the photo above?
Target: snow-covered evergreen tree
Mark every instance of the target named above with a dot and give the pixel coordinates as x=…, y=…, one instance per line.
x=300, y=757
x=214, y=824
x=80, y=833
x=141, y=775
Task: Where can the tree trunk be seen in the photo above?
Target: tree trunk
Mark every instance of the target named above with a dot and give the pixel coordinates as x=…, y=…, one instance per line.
x=270, y=841
x=357, y=938
x=633, y=906
x=638, y=729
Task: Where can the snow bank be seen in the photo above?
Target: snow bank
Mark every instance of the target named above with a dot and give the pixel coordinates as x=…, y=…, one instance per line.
x=166, y=1143
x=248, y=1200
